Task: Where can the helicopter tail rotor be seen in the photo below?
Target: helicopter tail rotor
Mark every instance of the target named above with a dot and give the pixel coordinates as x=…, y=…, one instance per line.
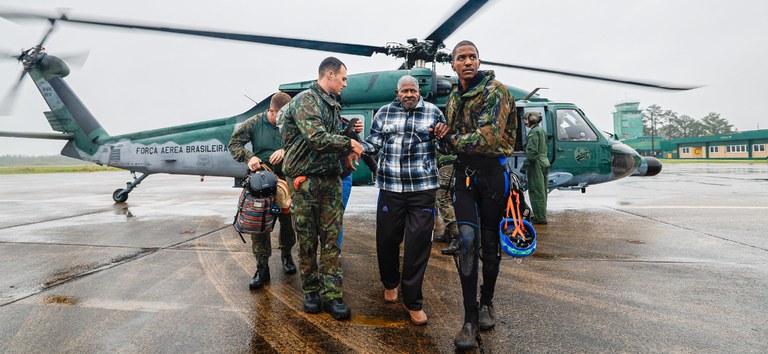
x=29, y=58
x=76, y=59
x=8, y=55
x=6, y=105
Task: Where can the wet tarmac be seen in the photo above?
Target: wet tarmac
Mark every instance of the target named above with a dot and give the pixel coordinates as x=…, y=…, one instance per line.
x=672, y=263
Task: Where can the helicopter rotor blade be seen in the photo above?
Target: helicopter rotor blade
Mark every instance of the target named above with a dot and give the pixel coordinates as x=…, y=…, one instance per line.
x=336, y=47
x=75, y=59
x=457, y=19
x=619, y=80
x=6, y=106
x=4, y=54
x=48, y=33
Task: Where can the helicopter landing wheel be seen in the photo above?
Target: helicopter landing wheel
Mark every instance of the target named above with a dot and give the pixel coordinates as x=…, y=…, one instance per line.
x=119, y=196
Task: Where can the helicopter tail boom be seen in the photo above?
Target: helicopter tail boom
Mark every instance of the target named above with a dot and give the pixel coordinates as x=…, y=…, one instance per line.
x=68, y=114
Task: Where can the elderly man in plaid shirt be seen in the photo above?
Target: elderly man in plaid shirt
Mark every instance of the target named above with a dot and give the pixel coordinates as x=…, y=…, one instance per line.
x=407, y=178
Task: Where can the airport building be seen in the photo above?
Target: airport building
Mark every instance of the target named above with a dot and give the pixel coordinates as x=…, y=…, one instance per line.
x=628, y=127
x=752, y=144
x=744, y=145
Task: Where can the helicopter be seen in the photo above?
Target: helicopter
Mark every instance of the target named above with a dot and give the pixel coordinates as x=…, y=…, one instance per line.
x=580, y=156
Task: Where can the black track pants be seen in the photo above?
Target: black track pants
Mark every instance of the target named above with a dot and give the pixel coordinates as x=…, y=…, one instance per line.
x=409, y=217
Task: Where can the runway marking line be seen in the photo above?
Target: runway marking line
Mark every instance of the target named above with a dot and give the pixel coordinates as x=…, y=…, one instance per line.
x=689, y=207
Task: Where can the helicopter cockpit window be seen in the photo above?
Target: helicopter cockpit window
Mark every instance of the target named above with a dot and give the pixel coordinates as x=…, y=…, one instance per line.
x=571, y=126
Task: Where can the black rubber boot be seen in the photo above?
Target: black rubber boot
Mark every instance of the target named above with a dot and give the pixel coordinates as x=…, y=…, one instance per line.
x=288, y=266
x=260, y=278
x=453, y=248
x=487, y=317
x=312, y=302
x=338, y=309
x=467, y=337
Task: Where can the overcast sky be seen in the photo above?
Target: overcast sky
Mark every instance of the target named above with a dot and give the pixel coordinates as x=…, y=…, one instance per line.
x=136, y=80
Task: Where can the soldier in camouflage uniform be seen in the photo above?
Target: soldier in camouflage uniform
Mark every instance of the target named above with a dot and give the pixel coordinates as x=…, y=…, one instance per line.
x=314, y=148
x=482, y=122
x=445, y=204
x=264, y=136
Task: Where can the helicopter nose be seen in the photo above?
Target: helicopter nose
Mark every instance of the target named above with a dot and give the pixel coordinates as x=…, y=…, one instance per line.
x=624, y=160
x=649, y=166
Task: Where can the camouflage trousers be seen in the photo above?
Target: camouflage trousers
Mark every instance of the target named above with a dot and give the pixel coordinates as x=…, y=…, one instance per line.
x=261, y=244
x=445, y=202
x=317, y=212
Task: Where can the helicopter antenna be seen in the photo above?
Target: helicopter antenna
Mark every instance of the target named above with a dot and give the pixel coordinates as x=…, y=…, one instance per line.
x=534, y=92
x=246, y=96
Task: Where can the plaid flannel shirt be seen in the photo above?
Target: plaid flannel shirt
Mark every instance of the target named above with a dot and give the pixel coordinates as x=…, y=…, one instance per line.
x=408, y=161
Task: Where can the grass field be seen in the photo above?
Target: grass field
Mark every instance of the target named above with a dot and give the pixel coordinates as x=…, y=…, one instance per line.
x=681, y=161
x=16, y=170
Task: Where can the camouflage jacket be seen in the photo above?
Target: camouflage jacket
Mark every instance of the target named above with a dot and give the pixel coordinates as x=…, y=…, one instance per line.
x=264, y=137
x=482, y=119
x=311, y=134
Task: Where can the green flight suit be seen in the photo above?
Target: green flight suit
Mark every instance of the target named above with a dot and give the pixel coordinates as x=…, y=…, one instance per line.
x=536, y=165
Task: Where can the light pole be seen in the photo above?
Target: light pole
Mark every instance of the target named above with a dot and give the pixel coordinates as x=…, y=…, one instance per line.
x=653, y=128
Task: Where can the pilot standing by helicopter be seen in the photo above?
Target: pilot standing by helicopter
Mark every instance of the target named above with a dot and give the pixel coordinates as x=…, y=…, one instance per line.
x=267, y=144
x=314, y=147
x=536, y=166
x=481, y=119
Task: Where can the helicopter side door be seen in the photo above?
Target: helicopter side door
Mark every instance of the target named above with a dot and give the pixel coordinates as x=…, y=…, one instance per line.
x=518, y=157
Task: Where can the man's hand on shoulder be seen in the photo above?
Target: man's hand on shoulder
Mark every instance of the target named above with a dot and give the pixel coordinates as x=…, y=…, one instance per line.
x=359, y=127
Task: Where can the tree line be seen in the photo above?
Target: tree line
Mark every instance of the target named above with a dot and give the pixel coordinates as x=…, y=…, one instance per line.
x=670, y=125
x=23, y=160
